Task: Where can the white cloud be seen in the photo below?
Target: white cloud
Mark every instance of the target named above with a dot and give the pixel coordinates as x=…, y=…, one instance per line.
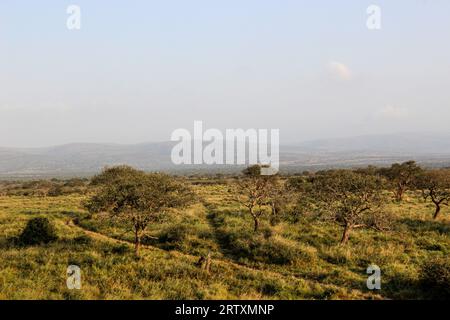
x=340, y=70
x=393, y=112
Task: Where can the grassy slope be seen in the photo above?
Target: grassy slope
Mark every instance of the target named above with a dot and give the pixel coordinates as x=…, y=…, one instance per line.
x=288, y=261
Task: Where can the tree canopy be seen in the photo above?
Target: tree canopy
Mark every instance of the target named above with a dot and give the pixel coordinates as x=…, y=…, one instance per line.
x=136, y=196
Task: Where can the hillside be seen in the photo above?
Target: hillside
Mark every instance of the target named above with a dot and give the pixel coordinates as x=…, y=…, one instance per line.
x=288, y=260
x=86, y=159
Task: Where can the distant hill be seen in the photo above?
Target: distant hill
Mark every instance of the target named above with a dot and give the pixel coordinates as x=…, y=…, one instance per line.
x=82, y=158
x=412, y=143
x=86, y=159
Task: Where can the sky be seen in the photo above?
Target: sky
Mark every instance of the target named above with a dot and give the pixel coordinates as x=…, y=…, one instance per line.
x=138, y=70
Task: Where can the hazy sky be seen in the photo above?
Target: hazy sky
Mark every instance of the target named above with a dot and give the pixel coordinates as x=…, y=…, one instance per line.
x=137, y=70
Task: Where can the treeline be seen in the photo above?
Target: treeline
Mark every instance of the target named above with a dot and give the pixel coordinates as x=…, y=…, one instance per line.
x=44, y=188
x=350, y=198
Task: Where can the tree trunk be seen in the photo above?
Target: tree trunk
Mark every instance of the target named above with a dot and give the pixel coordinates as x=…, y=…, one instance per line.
x=274, y=209
x=438, y=209
x=345, y=234
x=137, y=242
x=399, y=194
x=255, y=219
x=205, y=263
x=256, y=227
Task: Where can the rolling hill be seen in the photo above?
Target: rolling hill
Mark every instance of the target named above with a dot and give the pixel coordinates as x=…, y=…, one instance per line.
x=87, y=158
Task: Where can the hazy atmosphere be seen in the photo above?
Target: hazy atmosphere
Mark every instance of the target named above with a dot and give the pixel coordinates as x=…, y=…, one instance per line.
x=136, y=72
x=224, y=158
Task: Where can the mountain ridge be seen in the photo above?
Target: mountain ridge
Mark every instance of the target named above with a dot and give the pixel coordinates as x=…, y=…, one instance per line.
x=89, y=158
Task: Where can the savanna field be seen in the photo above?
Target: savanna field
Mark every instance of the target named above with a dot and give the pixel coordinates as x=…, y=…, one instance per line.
x=290, y=257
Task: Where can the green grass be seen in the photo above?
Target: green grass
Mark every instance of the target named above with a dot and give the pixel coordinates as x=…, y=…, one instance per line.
x=287, y=260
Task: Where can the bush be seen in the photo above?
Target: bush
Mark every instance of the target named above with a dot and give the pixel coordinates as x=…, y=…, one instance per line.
x=435, y=278
x=270, y=251
x=258, y=248
x=55, y=191
x=174, y=234
x=38, y=231
x=270, y=287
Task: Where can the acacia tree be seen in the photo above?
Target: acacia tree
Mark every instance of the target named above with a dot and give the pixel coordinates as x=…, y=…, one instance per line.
x=402, y=176
x=349, y=199
x=301, y=190
x=277, y=195
x=435, y=185
x=253, y=192
x=136, y=197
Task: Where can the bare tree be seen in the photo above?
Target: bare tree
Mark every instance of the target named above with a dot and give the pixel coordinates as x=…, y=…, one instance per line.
x=435, y=185
x=253, y=192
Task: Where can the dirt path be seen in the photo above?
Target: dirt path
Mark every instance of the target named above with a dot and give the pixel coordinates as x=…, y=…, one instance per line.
x=103, y=237
x=215, y=261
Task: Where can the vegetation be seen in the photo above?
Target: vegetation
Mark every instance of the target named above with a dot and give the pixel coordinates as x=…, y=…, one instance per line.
x=254, y=191
x=435, y=275
x=435, y=185
x=402, y=177
x=196, y=239
x=350, y=199
x=38, y=231
x=44, y=188
x=136, y=197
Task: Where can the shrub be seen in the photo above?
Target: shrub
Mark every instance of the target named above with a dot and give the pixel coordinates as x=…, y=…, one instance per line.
x=270, y=287
x=270, y=251
x=55, y=191
x=435, y=278
x=37, y=231
x=174, y=234
x=257, y=248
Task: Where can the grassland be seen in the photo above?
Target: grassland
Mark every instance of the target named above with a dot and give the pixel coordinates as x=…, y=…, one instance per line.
x=299, y=259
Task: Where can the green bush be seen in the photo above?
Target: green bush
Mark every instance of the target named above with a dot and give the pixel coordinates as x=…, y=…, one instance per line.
x=176, y=237
x=273, y=252
x=435, y=278
x=174, y=234
x=38, y=231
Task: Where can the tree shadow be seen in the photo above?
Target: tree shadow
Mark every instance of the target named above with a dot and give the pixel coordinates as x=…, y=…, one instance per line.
x=16, y=243
x=407, y=289
x=216, y=219
x=415, y=225
x=239, y=243
x=231, y=241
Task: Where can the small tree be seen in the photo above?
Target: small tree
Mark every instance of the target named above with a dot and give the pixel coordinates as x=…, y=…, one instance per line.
x=253, y=192
x=277, y=195
x=137, y=197
x=402, y=176
x=304, y=202
x=435, y=185
x=350, y=199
